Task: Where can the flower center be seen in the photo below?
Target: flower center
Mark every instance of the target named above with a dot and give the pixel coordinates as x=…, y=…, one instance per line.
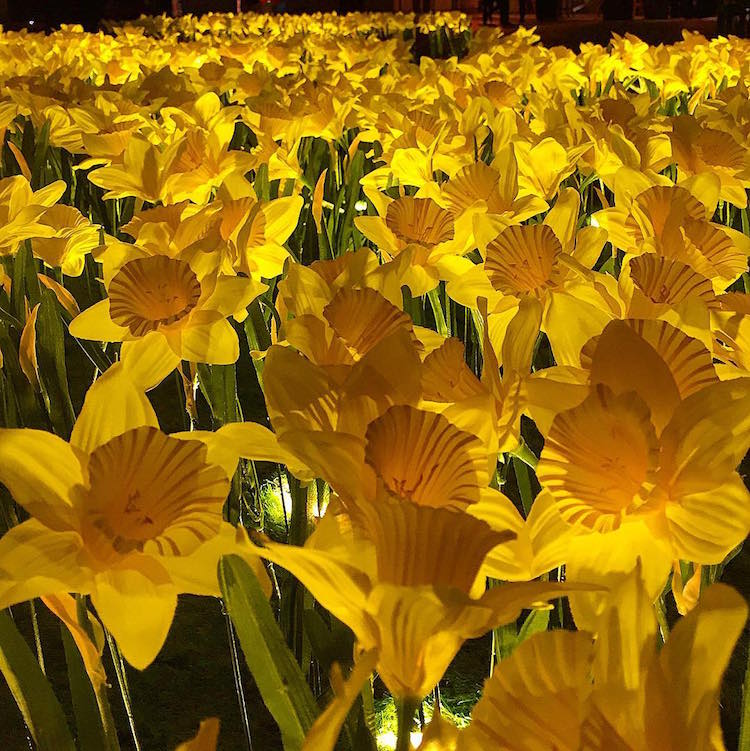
x=664, y=280
x=522, y=260
x=419, y=221
x=149, y=293
x=421, y=456
x=600, y=459
x=149, y=489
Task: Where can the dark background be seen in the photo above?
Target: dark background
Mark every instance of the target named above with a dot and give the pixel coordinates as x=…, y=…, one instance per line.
x=51, y=13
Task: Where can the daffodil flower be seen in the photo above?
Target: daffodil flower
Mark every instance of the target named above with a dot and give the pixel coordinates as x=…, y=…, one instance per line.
x=163, y=310
x=645, y=465
x=549, y=266
x=123, y=513
x=21, y=209
x=618, y=692
x=406, y=579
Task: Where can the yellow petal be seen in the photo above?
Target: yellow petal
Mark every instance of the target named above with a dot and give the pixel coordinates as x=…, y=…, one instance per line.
x=206, y=739
x=40, y=471
x=64, y=297
x=692, y=665
x=625, y=361
x=445, y=375
x=563, y=217
x=546, y=682
x=149, y=360
x=113, y=405
x=421, y=456
x=626, y=633
x=195, y=573
x=282, y=215
x=136, y=604
x=713, y=424
x=339, y=586
x=27, y=349
x=215, y=343
x=65, y=608
x=95, y=323
x=541, y=542
x=363, y=318
x=317, y=202
x=606, y=558
x=37, y=561
x=708, y=515
x=232, y=294
x=599, y=459
x=521, y=336
x=324, y=733
x=570, y=322
x=420, y=546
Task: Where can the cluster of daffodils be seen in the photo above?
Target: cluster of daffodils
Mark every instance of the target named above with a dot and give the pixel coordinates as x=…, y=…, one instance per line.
x=497, y=308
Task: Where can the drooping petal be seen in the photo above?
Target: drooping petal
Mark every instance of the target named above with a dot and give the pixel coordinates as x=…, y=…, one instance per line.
x=149, y=360
x=232, y=294
x=213, y=342
x=340, y=586
x=196, y=573
x=96, y=323
x=37, y=561
x=65, y=608
x=113, y=405
x=605, y=558
x=40, y=471
x=136, y=604
x=521, y=336
x=626, y=630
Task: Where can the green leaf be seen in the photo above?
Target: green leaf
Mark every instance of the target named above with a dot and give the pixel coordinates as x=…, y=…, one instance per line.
x=278, y=676
x=219, y=385
x=33, y=694
x=40, y=156
x=536, y=622
x=53, y=374
x=258, y=335
x=92, y=735
x=354, y=174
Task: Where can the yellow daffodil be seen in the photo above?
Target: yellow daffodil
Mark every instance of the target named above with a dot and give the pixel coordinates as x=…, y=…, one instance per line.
x=21, y=209
x=403, y=576
x=123, y=513
x=570, y=693
x=159, y=305
x=656, y=440
x=548, y=265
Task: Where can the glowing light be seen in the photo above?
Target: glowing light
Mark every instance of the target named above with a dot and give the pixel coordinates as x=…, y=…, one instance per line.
x=388, y=740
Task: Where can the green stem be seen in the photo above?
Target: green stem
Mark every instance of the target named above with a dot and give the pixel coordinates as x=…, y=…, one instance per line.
x=37, y=637
x=524, y=483
x=661, y=618
x=405, y=708
x=437, y=311
x=122, y=681
x=525, y=454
